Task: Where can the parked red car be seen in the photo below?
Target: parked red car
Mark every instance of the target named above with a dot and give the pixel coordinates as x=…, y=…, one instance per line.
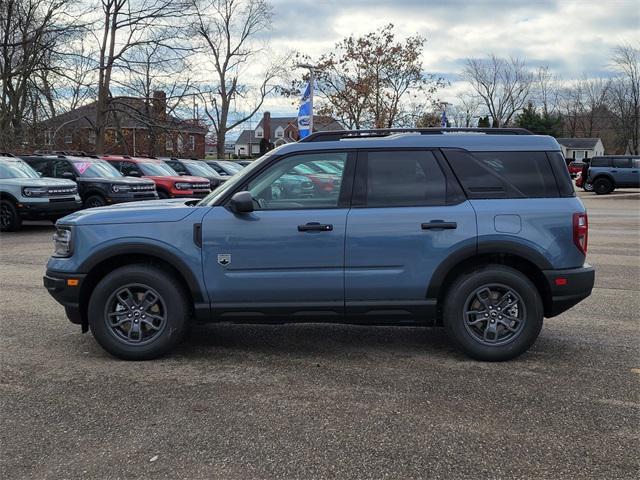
x=169, y=184
x=575, y=168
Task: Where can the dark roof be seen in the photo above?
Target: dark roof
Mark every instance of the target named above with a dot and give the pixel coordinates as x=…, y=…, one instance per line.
x=586, y=143
x=125, y=112
x=321, y=123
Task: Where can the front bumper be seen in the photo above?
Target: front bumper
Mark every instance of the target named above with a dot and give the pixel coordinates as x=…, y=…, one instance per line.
x=568, y=288
x=48, y=209
x=65, y=288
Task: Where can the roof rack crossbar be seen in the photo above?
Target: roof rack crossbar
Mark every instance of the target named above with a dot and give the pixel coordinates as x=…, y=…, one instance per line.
x=331, y=135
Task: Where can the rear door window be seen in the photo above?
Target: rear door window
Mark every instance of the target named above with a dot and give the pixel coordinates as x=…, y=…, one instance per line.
x=600, y=162
x=401, y=178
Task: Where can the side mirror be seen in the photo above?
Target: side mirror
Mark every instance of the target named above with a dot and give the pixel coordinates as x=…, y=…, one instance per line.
x=241, y=202
x=68, y=175
x=134, y=173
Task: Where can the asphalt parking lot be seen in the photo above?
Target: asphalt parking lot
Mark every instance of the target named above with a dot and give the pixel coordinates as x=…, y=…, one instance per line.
x=326, y=401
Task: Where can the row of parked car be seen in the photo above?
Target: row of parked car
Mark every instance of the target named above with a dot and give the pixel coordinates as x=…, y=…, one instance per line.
x=604, y=174
x=36, y=187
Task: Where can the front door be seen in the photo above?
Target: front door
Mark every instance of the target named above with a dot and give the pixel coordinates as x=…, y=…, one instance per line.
x=288, y=255
x=406, y=218
x=622, y=172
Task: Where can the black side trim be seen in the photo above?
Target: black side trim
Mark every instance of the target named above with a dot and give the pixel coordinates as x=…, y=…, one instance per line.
x=146, y=249
x=197, y=234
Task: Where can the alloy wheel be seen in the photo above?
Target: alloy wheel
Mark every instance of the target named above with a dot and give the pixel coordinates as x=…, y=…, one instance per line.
x=135, y=314
x=494, y=314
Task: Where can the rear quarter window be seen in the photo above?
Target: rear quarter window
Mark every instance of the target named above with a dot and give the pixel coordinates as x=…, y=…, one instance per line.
x=600, y=162
x=504, y=174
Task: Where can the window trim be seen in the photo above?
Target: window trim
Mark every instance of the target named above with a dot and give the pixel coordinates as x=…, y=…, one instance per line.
x=346, y=186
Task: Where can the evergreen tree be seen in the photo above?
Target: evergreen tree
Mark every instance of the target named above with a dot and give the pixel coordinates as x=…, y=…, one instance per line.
x=483, y=122
x=539, y=123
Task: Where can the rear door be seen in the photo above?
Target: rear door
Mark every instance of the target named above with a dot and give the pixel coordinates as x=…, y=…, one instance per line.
x=622, y=172
x=408, y=215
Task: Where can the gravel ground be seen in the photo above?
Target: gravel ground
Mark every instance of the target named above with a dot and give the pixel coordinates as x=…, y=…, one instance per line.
x=326, y=401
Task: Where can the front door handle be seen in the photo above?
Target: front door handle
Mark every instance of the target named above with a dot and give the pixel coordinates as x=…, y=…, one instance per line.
x=439, y=225
x=315, y=227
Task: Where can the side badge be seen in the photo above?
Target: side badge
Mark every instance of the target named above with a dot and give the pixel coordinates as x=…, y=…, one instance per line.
x=224, y=259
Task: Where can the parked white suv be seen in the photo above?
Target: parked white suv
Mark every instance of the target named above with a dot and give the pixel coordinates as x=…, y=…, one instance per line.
x=24, y=195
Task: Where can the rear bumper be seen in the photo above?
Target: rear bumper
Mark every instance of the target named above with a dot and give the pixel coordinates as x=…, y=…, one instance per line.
x=66, y=293
x=568, y=288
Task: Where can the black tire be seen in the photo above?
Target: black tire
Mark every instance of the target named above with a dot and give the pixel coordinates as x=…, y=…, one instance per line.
x=10, y=219
x=602, y=186
x=94, y=201
x=172, y=307
x=162, y=195
x=587, y=187
x=459, y=323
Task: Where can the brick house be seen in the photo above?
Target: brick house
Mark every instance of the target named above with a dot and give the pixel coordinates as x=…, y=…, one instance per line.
x=135, y=126
x=278, y=130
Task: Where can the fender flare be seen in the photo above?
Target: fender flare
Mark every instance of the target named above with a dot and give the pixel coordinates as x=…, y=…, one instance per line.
x=485, y=246
x=146, y=248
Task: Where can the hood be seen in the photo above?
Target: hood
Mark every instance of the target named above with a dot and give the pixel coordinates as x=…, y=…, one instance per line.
x=120, y=180
x=38, y=182
x=146, y=211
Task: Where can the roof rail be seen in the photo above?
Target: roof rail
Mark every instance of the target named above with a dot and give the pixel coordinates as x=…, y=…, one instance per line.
x=331, y=135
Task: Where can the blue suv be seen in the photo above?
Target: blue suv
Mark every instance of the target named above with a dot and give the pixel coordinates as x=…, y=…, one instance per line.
x=478, y=231
x=613, y=171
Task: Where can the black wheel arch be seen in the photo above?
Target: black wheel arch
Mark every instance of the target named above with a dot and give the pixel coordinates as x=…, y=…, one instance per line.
x=8, y=196
x=606, y=176
x=497, y=252
x=109, y=259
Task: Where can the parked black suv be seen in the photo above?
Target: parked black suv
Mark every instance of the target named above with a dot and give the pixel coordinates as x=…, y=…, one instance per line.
x=99, y=183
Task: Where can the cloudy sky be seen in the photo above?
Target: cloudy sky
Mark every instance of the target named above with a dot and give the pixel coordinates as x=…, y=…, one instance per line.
x=573, y=38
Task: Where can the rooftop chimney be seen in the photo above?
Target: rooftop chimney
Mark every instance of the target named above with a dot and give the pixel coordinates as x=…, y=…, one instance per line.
x=266, y=125
x=159, y=105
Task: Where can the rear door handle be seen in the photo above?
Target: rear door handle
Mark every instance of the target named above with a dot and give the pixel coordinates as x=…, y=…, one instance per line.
x=439, y=225
x=315, y=227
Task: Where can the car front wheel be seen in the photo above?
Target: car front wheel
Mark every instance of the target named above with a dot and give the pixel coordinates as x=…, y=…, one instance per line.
x=10, y=220
x=493, y=313
x=138, y=312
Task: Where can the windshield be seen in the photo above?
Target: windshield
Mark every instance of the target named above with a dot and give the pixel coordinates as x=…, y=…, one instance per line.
x=96, y=168
x=237, y=179
x=199, y=168
x=234, y=167
x=17, y=169
x=157, y=169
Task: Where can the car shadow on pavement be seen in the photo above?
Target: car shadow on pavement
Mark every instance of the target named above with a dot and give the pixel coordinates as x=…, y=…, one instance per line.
x=313, y=339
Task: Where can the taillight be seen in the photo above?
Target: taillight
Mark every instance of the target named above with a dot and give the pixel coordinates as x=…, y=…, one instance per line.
x=581, y=231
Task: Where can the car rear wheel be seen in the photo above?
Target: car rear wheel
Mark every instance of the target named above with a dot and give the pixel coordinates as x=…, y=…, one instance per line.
x=602, y=186
x=94, y=201
x=494, y=313
x=10, y=220
x=138, y=312
x=587, y=187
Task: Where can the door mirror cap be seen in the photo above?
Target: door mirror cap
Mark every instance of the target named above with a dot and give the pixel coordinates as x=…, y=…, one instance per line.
x=68, y=175
x=134, y=173
x=241, y=202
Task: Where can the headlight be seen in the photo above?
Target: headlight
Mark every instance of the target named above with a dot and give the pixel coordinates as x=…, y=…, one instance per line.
x=120, y=188
x=34, y=191
x=62, y=242
x=183, y=186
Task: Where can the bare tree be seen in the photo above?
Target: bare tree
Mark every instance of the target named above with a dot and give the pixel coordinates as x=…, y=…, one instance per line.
x=227, y=31
x=625, y=95
x=121, y=26
x=31, y=32
x=583, y=105
x=504, y=85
